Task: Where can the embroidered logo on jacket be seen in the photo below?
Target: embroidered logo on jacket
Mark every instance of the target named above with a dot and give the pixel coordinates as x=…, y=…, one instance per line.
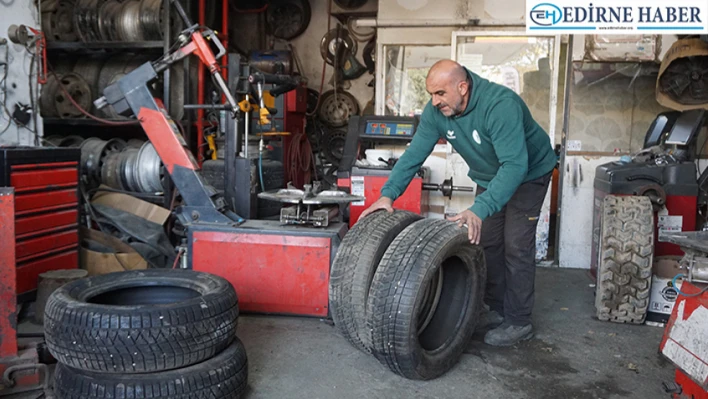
x=476, y=138
x=451, y=134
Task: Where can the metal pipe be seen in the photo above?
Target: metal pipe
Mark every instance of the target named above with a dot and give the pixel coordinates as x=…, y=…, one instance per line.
x=225, y=41
x=247, y=127
x=407, y=23
x=699, y=270
x=182, y=14
x=564, y=142
x=200, y=93
x=225, y=92
x=207, y=106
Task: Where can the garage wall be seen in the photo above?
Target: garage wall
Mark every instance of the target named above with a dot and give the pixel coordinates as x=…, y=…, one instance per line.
x=307, y=46
x=18, y=79
x=459, y=12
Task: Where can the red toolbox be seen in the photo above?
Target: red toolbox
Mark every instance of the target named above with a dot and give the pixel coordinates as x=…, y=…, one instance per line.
x=46, y=183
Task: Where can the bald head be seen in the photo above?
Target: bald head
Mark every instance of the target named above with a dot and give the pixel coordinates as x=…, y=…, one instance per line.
x=448, y=69
x=449, y=87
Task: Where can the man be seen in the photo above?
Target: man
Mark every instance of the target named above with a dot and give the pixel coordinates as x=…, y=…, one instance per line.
x=511, y=159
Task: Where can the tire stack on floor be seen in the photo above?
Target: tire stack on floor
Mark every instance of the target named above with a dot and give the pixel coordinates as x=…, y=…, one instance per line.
x=146, y=334
x=408, y=290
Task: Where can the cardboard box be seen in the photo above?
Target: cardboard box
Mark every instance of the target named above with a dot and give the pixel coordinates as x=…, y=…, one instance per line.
x=127, y=203
x=667, y=266
x=683, y=48
x=622, y=48
x=124, y=258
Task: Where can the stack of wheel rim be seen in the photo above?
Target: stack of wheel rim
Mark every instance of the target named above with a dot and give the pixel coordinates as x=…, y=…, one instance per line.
x=408, y=290
x=54, y=101
x=146, y=334
x=134, y=169
x=94, y=152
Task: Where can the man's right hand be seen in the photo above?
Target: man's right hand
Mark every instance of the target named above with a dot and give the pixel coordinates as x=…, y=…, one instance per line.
x=382, y=203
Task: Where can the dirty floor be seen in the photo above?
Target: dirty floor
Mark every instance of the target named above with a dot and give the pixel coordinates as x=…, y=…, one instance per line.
x=573, y=356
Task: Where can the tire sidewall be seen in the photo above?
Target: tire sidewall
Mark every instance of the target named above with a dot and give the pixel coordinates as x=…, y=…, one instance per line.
x=431, y=364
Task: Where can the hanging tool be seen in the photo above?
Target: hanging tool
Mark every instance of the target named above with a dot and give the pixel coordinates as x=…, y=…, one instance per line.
x=21, y=35
x=281, y=83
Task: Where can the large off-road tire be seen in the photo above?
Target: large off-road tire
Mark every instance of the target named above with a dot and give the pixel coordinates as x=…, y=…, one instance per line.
x=425, y=299
x=141, y=321
x=353, y=269
x=625, y=264
x=223, y=376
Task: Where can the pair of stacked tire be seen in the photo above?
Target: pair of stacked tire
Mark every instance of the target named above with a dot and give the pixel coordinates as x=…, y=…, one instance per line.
x=146, y=334
x=408, y=290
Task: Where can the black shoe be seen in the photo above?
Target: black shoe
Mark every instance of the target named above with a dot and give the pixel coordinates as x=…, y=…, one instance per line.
x=508, y=334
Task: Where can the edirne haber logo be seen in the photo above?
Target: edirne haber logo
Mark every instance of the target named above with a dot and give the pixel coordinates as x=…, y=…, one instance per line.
x=606, y=17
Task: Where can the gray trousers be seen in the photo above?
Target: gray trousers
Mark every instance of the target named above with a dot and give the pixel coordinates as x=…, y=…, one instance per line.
x=509, y=242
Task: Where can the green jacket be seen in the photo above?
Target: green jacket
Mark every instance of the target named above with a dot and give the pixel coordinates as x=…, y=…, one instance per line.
x=497, y=137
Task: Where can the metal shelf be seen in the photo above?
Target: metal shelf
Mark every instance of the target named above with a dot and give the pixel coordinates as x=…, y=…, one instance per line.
x=105, y=45
x=85, y=122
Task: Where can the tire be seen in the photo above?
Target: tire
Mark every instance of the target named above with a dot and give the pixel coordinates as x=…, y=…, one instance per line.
x=419, y=331
x=288, y=19
x=353, y=269
x=626, y=251
x=223, y=376
x=141, y=321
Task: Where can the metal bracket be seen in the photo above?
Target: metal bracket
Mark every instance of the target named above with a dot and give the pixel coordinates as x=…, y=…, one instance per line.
x=697, y=265
x=12, y=387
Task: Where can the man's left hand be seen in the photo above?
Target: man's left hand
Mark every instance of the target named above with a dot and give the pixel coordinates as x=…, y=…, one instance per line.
x=473, y=222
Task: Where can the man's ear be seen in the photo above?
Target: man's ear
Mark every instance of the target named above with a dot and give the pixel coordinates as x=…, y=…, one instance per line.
x=463, y=87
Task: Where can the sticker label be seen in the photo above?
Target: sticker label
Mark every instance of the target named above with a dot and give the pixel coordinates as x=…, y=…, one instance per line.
x=686, y=345
x=358, y=188
x=663, y=295
x=575, y=145
x=669, y=225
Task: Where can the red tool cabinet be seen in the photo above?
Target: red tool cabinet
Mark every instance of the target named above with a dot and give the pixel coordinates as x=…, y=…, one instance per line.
x=46, y=183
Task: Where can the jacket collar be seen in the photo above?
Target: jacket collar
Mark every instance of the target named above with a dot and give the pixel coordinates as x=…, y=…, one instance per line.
x=475, y=93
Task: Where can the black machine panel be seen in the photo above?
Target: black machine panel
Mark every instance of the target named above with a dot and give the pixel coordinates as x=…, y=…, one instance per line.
x=674, y=170
x=631, y=178
x=686, y=128
x=660, y=128
x=374, y=128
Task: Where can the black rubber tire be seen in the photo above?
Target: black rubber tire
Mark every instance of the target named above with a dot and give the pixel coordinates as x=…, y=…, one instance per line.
x=398, y=293
x=141, y=321
x=626, y=252
x=353, y=269
x=223, y=376
x=282, y=12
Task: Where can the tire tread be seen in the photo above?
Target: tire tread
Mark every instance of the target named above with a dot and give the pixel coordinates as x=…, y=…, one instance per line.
x=626, y=251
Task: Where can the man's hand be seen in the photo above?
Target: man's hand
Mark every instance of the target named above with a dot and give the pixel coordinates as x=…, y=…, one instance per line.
x=382, y=203
x=473, y=222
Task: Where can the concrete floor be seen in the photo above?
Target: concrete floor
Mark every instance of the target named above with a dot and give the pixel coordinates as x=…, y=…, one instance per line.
x=573, y=356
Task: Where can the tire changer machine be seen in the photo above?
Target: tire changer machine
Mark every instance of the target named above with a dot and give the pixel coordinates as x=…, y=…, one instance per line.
x=275, y=268
x=367, y=181
x=665, y=171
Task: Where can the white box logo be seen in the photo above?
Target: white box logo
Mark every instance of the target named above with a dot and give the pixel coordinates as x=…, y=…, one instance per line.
x=617, y=17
